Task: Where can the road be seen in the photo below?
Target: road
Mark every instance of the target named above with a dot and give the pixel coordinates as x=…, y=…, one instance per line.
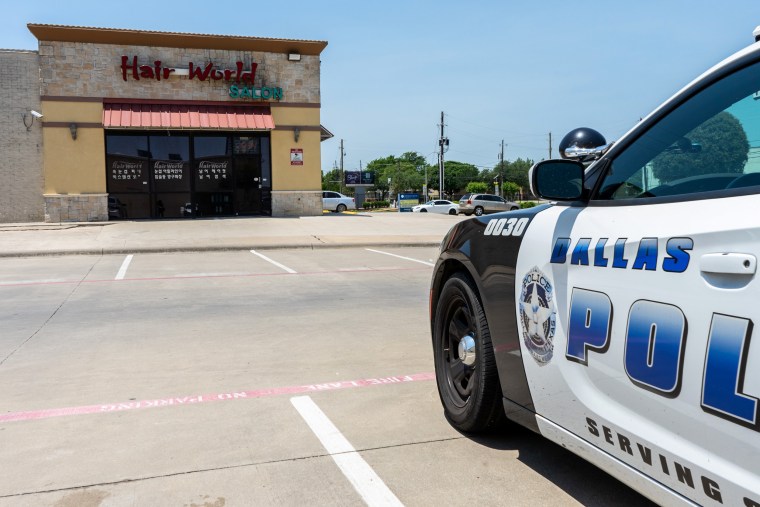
x=282, y=377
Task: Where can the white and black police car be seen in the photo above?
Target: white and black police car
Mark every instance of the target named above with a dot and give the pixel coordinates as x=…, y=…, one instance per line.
x=618, y=321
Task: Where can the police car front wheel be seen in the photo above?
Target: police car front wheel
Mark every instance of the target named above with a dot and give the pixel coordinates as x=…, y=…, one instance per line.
x=465, y=369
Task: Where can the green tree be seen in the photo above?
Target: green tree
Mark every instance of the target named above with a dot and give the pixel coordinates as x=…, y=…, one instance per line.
x=489, y=175
x=405, y=173
x=331, y=180
x=724, y=148
x=517, y=172
x=476, y=187
x=511, y=190
x=456, y=176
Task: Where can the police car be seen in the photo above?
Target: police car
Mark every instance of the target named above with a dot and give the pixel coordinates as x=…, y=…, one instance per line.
x=618, y=320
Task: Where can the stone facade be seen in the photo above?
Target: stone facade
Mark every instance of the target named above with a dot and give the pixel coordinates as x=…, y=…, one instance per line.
x=95, y=70
x=296, y=203
x=20, y=147
x=76, y=208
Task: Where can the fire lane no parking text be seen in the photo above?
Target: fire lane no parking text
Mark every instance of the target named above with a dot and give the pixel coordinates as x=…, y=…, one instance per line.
x=209, y=398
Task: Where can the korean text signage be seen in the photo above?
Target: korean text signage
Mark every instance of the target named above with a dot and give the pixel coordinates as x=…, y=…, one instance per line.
x=241, y=80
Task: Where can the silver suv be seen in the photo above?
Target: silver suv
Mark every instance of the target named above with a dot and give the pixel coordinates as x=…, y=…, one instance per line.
x=485, y=203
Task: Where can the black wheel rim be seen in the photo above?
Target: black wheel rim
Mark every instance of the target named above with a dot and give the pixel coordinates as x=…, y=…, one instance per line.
x=460, y=378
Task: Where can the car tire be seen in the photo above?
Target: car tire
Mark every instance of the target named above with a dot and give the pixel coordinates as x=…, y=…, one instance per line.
x=341, y=208
x=478, y=211
x=452, y=212
x=514, y=208
x=465, y=367
x=423, y=211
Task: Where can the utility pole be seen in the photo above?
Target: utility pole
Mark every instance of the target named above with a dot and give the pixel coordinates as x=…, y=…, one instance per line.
x=550, y=145
x=341, y=165
x=501, y=170
x=443, y=142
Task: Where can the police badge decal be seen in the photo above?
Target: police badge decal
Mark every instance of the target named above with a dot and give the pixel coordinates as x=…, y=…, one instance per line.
x=538, y=316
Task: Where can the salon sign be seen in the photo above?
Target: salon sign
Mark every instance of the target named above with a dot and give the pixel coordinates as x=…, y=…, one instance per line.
x=240, y=79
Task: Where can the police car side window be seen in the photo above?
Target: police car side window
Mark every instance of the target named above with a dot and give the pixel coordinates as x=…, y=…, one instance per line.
x=709, y=143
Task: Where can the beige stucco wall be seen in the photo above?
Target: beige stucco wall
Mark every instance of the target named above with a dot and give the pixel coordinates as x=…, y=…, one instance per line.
x=296, y=177
x=295, y=115
x=73, y=166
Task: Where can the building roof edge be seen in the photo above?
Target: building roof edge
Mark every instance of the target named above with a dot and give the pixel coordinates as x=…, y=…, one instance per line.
x=62, y=33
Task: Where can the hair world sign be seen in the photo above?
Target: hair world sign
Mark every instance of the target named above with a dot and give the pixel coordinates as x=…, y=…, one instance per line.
x=241, y=80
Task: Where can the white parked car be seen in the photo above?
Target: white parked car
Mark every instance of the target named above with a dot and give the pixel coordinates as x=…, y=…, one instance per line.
x=335, y=201
x=438, y=206
x=619, y=321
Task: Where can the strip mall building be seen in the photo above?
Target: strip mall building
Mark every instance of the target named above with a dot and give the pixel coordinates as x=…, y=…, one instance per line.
x=103, y=124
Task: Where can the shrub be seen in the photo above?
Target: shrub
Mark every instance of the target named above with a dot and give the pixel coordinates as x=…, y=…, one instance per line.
x=375, y=204
x=527, y=204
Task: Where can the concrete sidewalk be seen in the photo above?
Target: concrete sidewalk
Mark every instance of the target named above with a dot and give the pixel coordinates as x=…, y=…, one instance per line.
x=330, y=230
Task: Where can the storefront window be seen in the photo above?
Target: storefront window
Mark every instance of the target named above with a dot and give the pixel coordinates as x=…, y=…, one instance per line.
x=127, y=163
x=212, y=167
x=247, y=145
x=170, y=163
x=131, y=146
x=212, y=146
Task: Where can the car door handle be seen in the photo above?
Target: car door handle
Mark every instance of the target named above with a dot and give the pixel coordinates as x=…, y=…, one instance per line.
x=728, y=263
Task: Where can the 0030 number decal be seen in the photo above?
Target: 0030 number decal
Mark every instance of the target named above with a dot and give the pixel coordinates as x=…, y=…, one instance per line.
x=655, y=342
x=506, y=227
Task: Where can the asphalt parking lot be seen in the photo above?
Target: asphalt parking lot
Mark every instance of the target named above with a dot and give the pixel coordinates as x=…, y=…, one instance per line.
x=277, y=377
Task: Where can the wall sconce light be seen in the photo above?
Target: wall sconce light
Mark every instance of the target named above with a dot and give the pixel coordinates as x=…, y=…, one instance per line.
x=296, y=133
x=31, y=115
x=294, y=57
x=73, y=130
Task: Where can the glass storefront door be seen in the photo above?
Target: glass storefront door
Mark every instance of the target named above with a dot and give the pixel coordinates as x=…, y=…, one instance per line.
x=248, y=185
x=213, y=175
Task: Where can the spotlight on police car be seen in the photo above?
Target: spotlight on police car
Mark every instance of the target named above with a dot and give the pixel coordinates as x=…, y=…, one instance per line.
x=583, y=144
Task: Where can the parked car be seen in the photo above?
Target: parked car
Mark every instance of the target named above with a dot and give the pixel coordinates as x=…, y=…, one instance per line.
x=480, y=204
x=438, y=206
x=619, y=319
x=335, y=201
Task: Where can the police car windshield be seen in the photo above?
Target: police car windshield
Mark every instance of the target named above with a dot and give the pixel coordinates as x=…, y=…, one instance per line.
x=702, y=145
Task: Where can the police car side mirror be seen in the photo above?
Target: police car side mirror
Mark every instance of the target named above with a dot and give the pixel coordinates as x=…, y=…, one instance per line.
x=557, y=180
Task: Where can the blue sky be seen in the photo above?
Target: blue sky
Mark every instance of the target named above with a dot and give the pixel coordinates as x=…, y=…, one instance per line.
x=498, y=70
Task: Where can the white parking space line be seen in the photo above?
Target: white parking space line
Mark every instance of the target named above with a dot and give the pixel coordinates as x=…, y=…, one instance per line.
x=254, y=252
x=364, y=480
x=401, y=257
x=123, y=269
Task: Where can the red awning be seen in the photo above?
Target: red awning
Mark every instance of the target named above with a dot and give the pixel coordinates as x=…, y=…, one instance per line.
x=186, y=116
